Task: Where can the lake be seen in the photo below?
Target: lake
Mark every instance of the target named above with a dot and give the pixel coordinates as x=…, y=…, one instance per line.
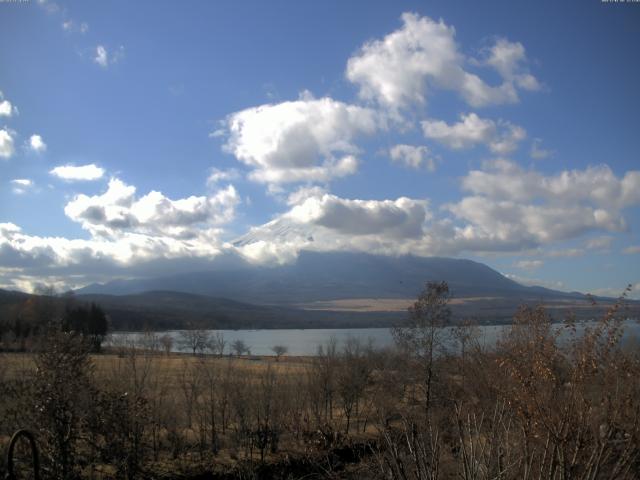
x=306, y=341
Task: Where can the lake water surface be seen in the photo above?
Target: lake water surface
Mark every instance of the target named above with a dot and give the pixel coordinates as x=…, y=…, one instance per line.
x=306, y=341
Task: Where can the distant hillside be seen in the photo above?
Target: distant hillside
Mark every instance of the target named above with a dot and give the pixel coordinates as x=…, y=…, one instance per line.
x=335, y=275
x=164, y=310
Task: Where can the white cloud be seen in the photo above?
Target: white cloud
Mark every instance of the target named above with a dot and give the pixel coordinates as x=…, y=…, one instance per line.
x=218, y=175
x=631, y=250
x=37, y=144
x=602, y=242
x=21, y=185
x=307, y=140
x=597, y=186
x=413, y=156
x=326, y=222
x=29, y=259
x=509, y=59
x=536, y=282
x=528, y=264
x=74, y=27
x=398, y=70
x=6, y=108
x=634, y=292
x=500, y=137
x=303, y=193
x=399, y=218
x=537, y=152
x=514, y=209
x=105, y=58
x=118, y=210
x=25, y=182
x=102, y=57
x=509, y=210
x=88, y=172
x=7, y=148
x=129, y=235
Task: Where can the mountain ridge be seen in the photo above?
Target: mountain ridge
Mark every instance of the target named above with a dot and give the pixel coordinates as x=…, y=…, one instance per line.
x=337, y=275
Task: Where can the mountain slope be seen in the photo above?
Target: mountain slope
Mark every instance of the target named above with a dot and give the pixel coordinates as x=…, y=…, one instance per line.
x=336, y=275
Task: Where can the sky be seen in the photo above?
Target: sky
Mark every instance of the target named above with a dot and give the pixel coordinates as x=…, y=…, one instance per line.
x=146, y=138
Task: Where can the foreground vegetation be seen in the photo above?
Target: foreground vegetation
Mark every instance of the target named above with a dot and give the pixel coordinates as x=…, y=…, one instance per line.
x=544, y=403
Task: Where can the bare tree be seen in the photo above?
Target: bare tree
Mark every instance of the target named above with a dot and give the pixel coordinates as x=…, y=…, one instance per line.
x=166, y=341
x=240, y=348
x=279, y=350
x=422, y=332
x=217, y=344
x=352, y=377
x=195, y=340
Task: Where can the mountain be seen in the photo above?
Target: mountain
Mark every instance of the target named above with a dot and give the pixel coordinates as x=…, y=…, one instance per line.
x=334, y=276
x=319, y=290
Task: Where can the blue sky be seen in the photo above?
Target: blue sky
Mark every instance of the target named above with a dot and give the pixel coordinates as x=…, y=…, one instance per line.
x=141, y=138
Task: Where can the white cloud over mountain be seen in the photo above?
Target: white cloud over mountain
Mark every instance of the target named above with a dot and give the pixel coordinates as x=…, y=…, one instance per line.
x=130, y=234
x=509, y=210
x=119, y=210
x=326, y=222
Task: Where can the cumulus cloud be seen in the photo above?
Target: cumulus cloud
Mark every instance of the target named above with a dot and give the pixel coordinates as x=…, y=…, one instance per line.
x=129, y=235
x=595, y=185
x=105, y=58
x=6, y=108
x=303, y=193
x=500, y=137
x=413, y=156
x=36, y=144
x=510, y=61
x=326, y=222
x=72, y=173
x=307, y=140
x=118, y=210
x=511, y=208
x=29, y=259
x=398, y=70
x=7, y=148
